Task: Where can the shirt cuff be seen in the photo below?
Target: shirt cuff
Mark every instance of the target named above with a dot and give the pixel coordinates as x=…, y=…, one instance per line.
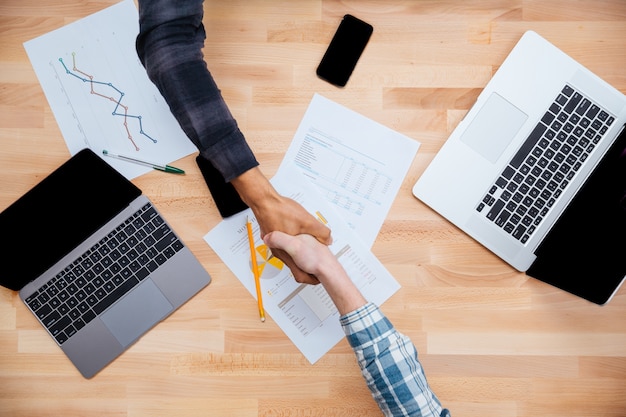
x=231, y=156
x=365, y=326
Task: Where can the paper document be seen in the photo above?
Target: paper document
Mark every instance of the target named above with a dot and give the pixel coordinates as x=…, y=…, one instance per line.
x=304, y=312
x=357, y=164
x=100, y=93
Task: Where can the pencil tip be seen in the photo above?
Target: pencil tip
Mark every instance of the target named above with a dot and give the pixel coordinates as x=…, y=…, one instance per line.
x=263, y=319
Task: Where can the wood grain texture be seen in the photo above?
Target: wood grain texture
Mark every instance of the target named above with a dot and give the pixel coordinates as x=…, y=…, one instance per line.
x=493, y=342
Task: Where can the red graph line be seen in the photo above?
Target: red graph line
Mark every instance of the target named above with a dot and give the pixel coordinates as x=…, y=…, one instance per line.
x=85, y=77
x=113, y=99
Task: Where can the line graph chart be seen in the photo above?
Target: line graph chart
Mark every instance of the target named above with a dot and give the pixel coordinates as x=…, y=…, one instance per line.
x=100, y=94
x=88, y=78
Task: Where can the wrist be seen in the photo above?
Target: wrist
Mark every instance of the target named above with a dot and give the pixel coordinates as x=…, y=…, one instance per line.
x=344, y=293
x=254, y=189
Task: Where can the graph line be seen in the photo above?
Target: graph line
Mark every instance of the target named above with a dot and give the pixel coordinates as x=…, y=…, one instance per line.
x=85, y=77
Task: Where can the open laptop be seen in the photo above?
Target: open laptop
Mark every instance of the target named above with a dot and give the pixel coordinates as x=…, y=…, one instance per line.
x=536, y=171
x=94, y=261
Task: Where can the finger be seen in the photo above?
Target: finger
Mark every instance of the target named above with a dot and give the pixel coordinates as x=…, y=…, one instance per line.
x=321, y=232
x=277, y=240
x=299, y=275
x=303, y=277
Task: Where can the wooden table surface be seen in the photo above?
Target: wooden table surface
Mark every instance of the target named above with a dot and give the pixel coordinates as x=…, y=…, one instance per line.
x=493, y=342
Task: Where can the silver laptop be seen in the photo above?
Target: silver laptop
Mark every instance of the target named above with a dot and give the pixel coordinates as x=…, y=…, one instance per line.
x=544, y=138
x=94, y=260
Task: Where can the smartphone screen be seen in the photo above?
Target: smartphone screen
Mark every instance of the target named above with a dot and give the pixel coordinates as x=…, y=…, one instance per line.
x=344, y=50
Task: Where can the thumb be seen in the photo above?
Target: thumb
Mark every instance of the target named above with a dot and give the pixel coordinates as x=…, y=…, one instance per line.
x=277, y=239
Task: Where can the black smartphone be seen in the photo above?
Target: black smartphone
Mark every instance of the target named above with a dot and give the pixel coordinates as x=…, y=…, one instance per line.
x=224, y=194
x=344, y=50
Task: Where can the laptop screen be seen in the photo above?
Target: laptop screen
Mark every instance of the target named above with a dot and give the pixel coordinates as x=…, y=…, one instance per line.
x=59, y=213
x=584, y=251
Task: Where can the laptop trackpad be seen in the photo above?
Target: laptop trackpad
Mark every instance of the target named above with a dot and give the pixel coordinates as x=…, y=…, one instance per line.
x=493, y=128
x=136, y=313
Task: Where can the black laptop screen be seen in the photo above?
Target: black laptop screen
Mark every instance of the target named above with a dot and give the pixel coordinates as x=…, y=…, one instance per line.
x=59, y=213
x=585, y=252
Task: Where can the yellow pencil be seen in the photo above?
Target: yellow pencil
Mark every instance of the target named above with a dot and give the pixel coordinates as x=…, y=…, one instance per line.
x=255, y=269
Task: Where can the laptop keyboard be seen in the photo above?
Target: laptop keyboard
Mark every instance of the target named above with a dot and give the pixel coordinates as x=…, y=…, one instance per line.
x=104, y=273
x=544, y=166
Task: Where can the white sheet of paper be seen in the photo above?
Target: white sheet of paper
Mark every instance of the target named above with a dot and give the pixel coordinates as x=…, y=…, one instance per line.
x=100, y=93
x=357, y=164
x=305, y=313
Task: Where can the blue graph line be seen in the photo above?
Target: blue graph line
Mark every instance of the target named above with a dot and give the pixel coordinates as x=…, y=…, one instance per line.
x=84, y=77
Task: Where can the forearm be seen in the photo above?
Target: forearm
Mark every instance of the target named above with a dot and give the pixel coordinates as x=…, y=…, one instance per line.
x=169, y=45
x=345, y=295
x=390, y=365
x=388, y=360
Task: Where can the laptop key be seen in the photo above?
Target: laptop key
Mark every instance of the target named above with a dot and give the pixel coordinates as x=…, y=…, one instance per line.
x=33, y=302
x=573, y=102
x=71, y=302
x=495, y=210
x=74, y=314
x=502, y=218
x=43, y=311
x=43, y=298
x=528, y=145
x=165, y=242
x=567, y=90
x=88, y=316
x=142, y=273
x=178, y=245
x=59, y=325
x=584, y=106
x=152, y=265
x=63, y=309
x=519, y=231
x=79, y=324
x=70, y=331
x=92, y=300
x=160, y=259
x=61, y=338
x=82, y=307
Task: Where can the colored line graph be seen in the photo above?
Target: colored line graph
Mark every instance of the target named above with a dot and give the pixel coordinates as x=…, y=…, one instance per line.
x=116, y=99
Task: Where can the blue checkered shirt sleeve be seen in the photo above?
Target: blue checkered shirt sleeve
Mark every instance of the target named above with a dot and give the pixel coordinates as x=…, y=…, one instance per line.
x=390, y=366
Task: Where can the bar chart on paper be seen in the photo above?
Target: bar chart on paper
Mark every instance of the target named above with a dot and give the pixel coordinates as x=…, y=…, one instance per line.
x=100, y=94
